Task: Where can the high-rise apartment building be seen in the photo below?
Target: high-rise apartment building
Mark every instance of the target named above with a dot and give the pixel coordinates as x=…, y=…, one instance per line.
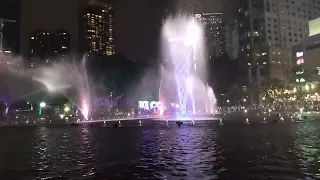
x=267, y=31
x=214, y=32
x=48, y=46
x=89, y=23
x=9, y=26
x=99, y=28
x=232, y=39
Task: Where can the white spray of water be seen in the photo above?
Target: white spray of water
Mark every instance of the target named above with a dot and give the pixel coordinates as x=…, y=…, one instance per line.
x=183, y=45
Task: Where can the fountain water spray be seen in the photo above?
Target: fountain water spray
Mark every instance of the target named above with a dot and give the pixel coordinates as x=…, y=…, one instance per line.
x=64, y=77
x=184, y=48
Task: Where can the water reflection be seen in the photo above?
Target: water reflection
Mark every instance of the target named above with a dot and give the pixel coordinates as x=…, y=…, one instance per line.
x=62, y=152
x=308, y=144
x=203, y=151
x=41, y=157
x=86, y=163
x=178, y=152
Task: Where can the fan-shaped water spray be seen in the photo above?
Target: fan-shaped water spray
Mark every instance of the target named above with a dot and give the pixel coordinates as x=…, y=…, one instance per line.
x=64, y=77
x=68, y=75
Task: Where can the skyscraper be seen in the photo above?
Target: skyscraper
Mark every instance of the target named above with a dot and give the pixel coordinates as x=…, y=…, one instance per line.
x=47, y=46
x=88, y=23
x=9, y=26
x=99, y=27
x=214, y=32
x=232, y=39
x=267, y=31
x=271, y=28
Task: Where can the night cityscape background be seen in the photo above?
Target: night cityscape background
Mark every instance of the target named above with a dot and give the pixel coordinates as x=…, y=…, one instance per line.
x=251, y=47
x=162, y=89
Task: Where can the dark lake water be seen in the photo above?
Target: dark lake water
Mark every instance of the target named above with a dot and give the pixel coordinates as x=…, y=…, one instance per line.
x=154, y=151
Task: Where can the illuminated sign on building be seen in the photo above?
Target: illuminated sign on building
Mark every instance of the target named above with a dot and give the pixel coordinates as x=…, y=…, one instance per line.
x=300, y=61
x=148, y=105
x=198, y=16
x=314, y=27
x=299, y=54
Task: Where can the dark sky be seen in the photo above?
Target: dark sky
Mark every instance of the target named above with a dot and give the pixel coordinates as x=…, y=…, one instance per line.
x=138, y=23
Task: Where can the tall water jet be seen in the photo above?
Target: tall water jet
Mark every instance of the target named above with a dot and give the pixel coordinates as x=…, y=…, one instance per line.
x=183, y=45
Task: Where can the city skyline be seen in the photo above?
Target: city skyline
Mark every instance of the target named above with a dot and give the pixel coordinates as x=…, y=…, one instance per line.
x=137, y=25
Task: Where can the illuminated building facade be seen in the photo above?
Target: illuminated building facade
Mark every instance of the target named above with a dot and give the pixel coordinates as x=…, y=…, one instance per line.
x=306, y=53
x=214, y=32
x=99, y=28
x=232, y=39
x=9, y=26
x=47, y=45
x=268, y=30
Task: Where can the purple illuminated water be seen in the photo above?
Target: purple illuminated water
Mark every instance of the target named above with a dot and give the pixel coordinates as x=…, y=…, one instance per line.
x=183, y=48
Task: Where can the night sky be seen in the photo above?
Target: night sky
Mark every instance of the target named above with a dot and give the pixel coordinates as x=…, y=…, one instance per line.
x=138, y=22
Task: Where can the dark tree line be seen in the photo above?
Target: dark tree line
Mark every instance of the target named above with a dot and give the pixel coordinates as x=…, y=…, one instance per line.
x=223, y=72
x=119, y=74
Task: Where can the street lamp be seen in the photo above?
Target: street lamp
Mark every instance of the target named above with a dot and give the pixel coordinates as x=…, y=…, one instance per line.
x=42, y=105
x=66, y=109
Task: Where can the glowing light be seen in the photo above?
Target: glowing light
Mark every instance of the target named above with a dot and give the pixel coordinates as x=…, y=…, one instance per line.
x=192, y=35
x=294, y=89
x=43, y=104
x=312, y=86
x=66, y=109
x=307, y=87
x=61, y=116
x=299, y=54
x=85, y=109
x=300, y=61
x=301, y=110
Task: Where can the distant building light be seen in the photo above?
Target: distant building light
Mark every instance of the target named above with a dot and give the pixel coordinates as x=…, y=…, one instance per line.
x=32, y=37
x=7, y=51
x=300, y=61
x=197, y=15
x=299, y=54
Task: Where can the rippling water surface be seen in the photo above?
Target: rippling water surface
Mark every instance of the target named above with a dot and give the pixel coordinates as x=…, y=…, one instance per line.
x=155, y=151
